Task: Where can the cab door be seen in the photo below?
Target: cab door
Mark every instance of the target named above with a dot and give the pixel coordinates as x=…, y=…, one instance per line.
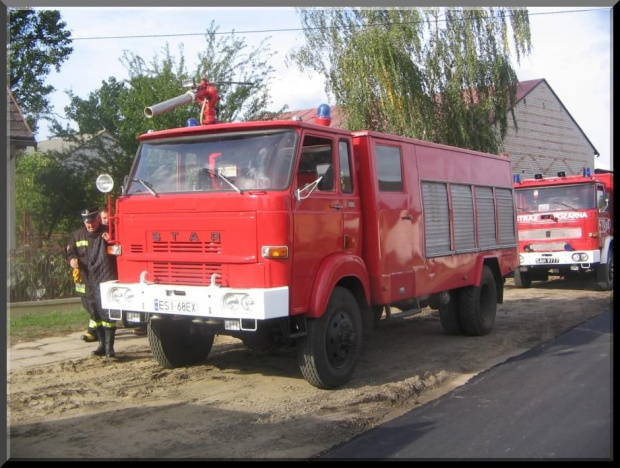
x=318, y=214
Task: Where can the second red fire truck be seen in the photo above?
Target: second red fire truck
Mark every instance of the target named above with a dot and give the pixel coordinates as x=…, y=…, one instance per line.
x=290, y=232
x=565, y=226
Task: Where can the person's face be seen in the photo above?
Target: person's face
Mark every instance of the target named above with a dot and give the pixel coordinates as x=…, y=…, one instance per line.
x=104, y=217
x=91, y=226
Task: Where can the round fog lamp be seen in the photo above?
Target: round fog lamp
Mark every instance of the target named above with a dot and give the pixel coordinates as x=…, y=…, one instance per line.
x=104, y=183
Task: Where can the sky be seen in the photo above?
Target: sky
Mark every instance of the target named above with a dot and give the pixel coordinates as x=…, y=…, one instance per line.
x=571, y=49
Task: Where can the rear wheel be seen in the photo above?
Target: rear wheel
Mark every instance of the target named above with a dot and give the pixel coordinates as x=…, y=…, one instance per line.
x=449, y=312
x=177, y=343
x=478, y=305
x=605, y=273
x=328, y=353
x=522, y=279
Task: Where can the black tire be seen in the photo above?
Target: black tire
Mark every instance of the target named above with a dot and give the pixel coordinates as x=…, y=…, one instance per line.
x=177, y=343
x=448, y=305
x=522, y=279
x=605, y=273
x=328, y=353
x=478, y=305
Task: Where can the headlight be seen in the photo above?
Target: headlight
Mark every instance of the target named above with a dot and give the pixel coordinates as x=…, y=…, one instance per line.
x=116, y=294
x=128, y=296
x=231, y=302
x=247, y=302
x=121, y=295
x=579, y=257
x=521, y=260
x=235, y=302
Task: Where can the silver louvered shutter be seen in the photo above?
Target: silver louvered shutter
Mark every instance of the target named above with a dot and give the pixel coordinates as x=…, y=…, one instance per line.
x=436, y=218
x=505, y=214
x=463, y=212
x=485, y=208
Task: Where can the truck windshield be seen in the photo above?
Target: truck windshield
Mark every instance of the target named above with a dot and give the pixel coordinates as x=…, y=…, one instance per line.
x=556, y=198
x=223, y=162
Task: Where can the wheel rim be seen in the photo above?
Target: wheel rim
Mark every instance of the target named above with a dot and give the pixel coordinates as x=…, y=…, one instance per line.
x=341, y=339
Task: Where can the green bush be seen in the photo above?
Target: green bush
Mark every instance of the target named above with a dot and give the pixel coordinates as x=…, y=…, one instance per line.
x=39, y=273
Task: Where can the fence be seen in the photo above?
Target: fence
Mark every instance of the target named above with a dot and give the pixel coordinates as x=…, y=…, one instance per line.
x=39, y=274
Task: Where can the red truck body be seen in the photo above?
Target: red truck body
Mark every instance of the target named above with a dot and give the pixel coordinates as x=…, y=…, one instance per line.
x=565, y=226
x=289, y=232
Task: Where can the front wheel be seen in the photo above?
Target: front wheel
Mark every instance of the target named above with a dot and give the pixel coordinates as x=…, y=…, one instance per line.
x=328, y=353
x=605, y=273
x=522, y=279
x=177, y=343
x=478, y=305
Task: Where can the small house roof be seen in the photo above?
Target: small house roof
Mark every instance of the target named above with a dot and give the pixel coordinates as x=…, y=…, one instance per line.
x=19, y=131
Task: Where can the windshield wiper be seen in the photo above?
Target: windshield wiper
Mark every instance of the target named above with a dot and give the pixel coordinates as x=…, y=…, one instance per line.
x=146, y=185
x=563, y=204
x=225, y=179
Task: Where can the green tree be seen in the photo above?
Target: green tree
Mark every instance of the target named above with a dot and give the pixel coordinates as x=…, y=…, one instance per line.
x=38, y=41
x=442, y=75
x=51, y=195
x=118, y=106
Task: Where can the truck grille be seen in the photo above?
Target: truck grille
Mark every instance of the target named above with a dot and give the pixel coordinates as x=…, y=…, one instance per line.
x=538, y=234
x=186, y=273
x=187, y=247
x=550, y=247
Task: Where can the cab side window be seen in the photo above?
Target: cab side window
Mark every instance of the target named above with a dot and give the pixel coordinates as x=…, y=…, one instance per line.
x=315, y=152
x=346, y=180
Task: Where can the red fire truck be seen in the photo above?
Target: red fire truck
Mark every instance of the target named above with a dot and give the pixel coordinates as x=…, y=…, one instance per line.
x=302, y=234
x=565, y=226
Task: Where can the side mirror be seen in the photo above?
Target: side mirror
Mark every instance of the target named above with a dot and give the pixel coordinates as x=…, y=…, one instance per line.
x=326, y=172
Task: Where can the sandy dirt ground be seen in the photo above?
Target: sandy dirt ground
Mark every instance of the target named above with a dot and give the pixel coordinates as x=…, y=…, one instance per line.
x=243, y=404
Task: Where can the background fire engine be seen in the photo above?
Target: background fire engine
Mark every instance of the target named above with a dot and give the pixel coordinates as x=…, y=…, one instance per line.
x=565, y=226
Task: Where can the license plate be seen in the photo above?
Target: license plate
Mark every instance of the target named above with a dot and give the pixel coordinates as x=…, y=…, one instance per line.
x=547, y=260
x=166, y=305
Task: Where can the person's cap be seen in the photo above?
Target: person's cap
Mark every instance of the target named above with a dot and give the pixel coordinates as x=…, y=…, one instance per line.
x=89, y=214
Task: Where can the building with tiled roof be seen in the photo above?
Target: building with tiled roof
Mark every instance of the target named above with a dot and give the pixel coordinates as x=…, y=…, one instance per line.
x=546, y=140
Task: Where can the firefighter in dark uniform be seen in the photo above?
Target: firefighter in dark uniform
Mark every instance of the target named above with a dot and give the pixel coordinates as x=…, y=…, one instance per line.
x=87, y=256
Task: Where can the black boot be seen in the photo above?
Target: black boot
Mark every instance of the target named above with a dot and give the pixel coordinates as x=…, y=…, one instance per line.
x=109, y=343
x=100, y=351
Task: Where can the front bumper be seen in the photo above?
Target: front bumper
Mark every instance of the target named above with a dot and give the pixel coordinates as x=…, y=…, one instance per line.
x=196, y=301
x=561, y=258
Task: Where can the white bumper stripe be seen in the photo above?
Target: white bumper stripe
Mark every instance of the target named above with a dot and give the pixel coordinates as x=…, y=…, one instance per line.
x=196, y=301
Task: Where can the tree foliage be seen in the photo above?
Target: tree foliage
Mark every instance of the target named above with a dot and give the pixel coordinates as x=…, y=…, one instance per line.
x=52, y=195
x=118, y=106
x=442, y=75
x=53, y=187
x=38, y=42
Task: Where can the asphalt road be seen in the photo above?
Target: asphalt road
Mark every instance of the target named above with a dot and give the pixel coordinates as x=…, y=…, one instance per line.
x=552, y=402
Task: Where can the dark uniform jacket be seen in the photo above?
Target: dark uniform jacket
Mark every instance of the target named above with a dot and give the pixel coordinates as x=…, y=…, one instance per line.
x=95, y=264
